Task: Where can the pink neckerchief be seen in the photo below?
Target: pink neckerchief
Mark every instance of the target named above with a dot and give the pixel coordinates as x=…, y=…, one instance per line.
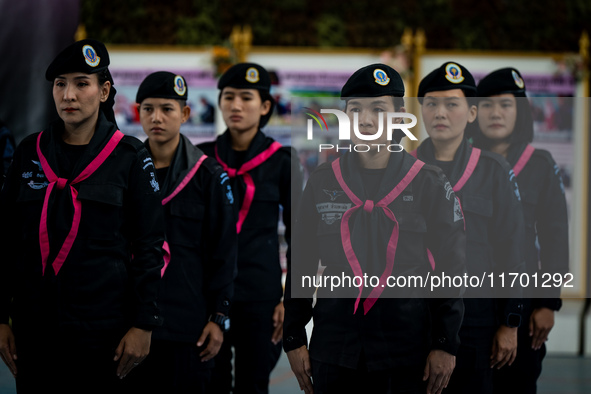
x=368, y=206
x=523, y=159
x=61, y=184
x=470, y=167
x=166, y=200
x=472, y=162
x=243, y=171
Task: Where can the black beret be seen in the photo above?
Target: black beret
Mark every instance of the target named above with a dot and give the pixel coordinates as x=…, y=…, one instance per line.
x=373, y=81
x=162, y=84
x=86, y=56
x=505, y=80
x=246, y=76
x=447, y=77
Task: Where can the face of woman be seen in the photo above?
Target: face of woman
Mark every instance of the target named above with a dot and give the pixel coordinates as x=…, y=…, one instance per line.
x=161, y=119
x=77, y=97
x=446, y=114
x=242, y=108
x=368, y=110
x=497, y=115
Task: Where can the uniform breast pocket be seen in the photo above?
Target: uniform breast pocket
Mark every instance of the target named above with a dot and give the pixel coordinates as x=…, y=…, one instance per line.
x=411, y=248
x=264, y=207
x=478, y=212
x=102, y=211
x=186, y=222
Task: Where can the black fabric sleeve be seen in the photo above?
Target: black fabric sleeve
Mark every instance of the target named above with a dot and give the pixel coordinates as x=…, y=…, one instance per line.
x=145, y=230
x=8, y=243
x=508, y=240
x=446, y=239
x=290, y=194
x=552, y=229
x=304, y=261
x=220, y=242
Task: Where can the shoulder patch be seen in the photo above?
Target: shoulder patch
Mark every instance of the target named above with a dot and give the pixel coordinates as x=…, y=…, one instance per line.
x=224, y=181
x=559, y=175
x=513, y=180
x=458, y=214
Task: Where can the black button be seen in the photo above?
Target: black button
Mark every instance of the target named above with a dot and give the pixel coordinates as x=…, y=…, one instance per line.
x=289, y=339
x=442, y=340
x=155, y=317
x=226, y=303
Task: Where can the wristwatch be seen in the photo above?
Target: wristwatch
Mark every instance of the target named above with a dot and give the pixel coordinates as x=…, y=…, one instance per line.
x=222, y=321
x=513, y=320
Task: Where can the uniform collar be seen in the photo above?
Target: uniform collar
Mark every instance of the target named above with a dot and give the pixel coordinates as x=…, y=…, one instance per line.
x=51, y=149
x=185, y=157
x=259, y=143
x=426, y=152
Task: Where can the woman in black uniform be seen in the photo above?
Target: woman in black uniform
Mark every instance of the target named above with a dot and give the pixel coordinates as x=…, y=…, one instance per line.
x=494, y=225
x=82, y=235
x=260, y=172
x=201, y=234
x=375, y=213
x=506, y=127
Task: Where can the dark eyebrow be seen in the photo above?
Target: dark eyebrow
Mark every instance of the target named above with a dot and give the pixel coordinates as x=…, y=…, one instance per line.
x=378, y=102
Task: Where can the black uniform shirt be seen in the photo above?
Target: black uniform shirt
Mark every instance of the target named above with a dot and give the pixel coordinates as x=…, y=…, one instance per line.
x=546, y=219
x=99, y=287
x=201, y=233
x=494, y=230
x=399, y=329
x=259, y=270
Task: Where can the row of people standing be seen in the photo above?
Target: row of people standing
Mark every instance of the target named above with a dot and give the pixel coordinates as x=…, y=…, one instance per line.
x=135, y=265
x=467, y=344
x=93, y=206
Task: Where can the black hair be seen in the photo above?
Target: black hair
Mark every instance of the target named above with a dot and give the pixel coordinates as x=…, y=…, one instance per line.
x=107, y=106
x=523, y=132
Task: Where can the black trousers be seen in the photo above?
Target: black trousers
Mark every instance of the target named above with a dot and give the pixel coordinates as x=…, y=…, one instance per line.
x=521, y=377
x=69, y=363
x=255, y=356
x=473, y=373
x=334, y=379
x=171, y=367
